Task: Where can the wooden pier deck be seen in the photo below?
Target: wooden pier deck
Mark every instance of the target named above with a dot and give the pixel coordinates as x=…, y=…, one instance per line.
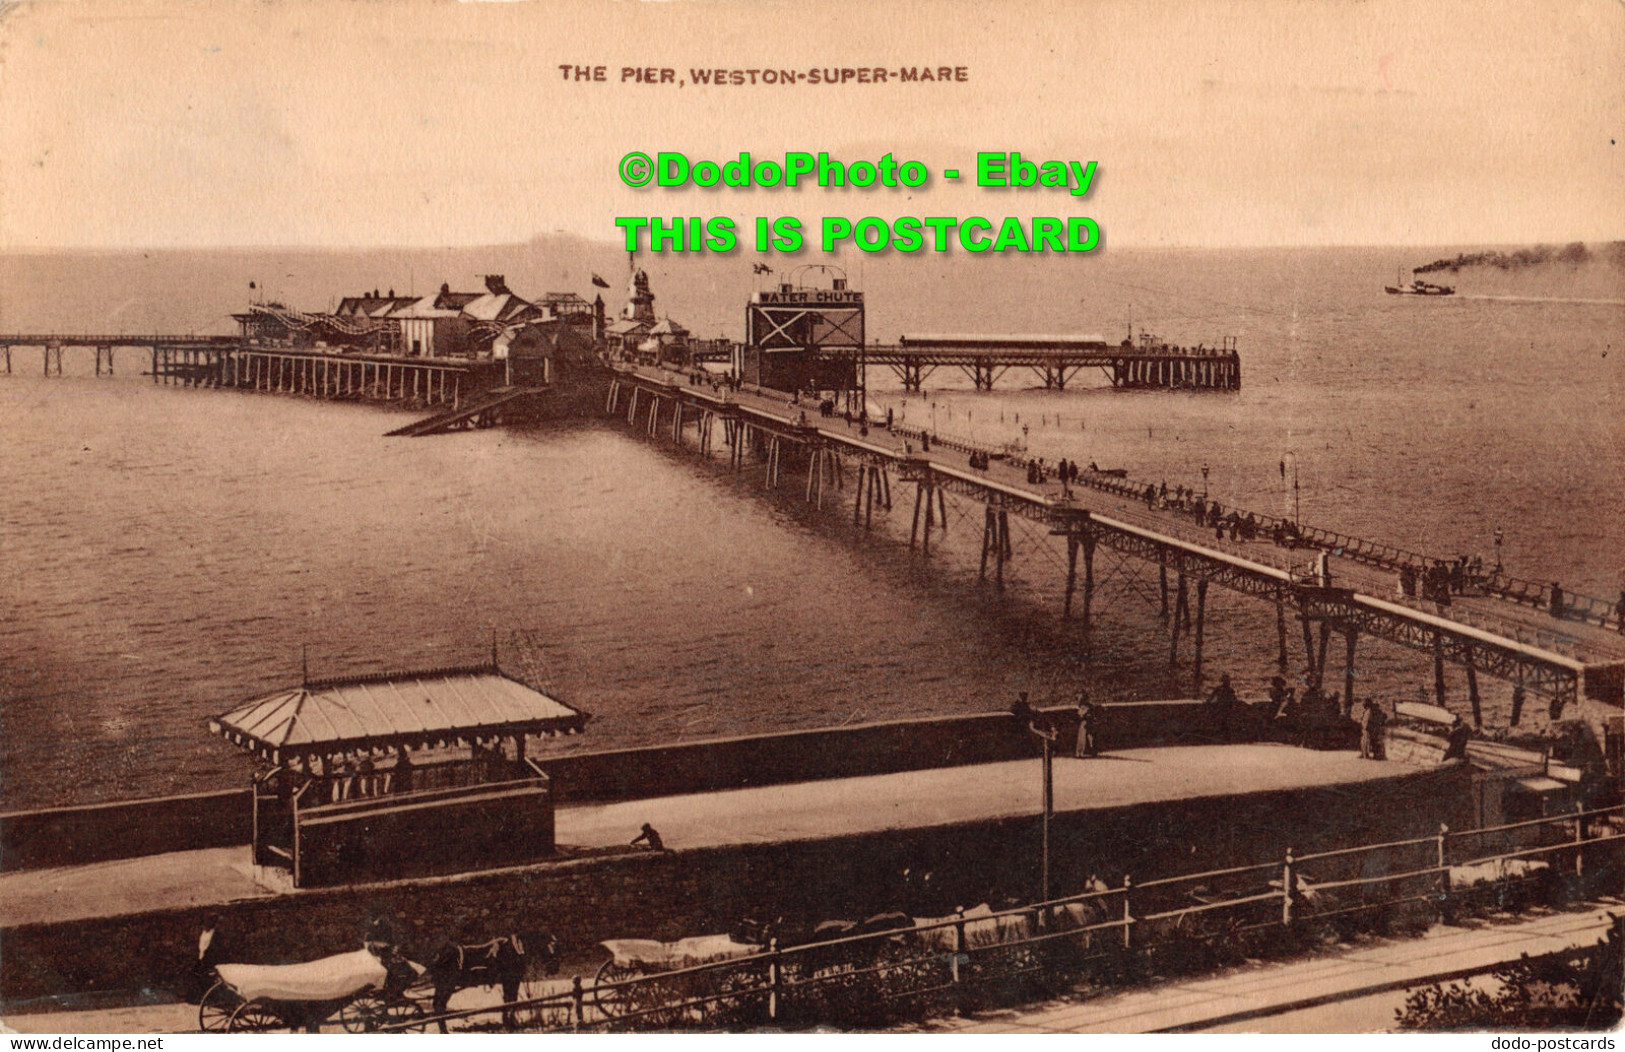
x=1054, y=360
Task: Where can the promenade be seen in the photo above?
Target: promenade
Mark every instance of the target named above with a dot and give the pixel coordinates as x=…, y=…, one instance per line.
x=770, y=814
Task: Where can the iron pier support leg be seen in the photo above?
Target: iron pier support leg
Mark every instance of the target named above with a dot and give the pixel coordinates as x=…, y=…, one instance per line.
x=1088, y=582
x=1201, y=617
x=1472, y=689
x=1438, y=669
x=1181, y=614
x=1162, y=578
x=914, y=527
x=930, y=514
x=1312, y=675
x=989, y=529
x=1071, y=573
x=1001, y=535
x=857, y=504
x=1320, y=661
x=1280, y=629
x=1350, y=639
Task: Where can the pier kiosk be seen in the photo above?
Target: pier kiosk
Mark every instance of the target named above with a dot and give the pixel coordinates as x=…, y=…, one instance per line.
x=399, y=775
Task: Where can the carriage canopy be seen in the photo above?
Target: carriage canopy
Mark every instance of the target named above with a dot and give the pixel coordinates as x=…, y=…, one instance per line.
x=394, y=710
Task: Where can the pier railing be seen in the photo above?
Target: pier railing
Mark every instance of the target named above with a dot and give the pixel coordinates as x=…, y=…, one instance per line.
x=1497, y=583
x=1117, y=934
x=1571, y=606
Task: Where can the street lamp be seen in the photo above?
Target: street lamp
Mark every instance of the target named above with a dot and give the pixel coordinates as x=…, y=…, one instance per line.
x=1204, y=482
x=1296, y=520
x=1047, y=734
x=1499, y=536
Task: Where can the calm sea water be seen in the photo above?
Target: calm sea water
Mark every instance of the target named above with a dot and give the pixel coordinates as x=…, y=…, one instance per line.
x=166, y=553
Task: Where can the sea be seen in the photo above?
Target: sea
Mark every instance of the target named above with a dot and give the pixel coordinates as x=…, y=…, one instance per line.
x=168, y=553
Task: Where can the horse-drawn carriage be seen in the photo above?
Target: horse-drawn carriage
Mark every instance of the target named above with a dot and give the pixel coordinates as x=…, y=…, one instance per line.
x=366, y=990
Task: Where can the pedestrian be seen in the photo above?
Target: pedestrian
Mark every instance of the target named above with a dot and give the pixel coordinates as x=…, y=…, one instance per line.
x=1021, y=709
x=401, y=780
x=1087, y=745
x=1456, y=740
x=211, y=950
x=650, y=838
x=1372, y=722
x=1557, y=600
x=1279, y=693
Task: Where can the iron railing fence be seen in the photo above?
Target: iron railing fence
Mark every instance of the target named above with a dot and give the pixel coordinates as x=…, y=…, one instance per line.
x=1107, y=933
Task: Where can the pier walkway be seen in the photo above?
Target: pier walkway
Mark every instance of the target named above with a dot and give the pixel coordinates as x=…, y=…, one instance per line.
x=1055, y=360
x=1553, y=656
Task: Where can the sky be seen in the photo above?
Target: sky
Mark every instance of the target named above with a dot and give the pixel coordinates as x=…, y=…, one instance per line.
x=217, y=123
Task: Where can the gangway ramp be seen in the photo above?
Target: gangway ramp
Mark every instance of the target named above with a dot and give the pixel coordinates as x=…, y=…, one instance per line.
x=483, y=411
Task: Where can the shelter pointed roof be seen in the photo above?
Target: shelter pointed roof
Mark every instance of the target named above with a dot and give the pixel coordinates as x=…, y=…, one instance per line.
x=414, y=709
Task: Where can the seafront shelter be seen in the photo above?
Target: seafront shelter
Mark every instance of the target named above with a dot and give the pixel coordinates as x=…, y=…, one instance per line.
x=399, y=775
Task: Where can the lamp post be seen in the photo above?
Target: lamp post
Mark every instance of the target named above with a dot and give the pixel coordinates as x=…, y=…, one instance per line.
x=1296, y=520
x=1499, y=536
x=1204, y=482
x=1046, y=734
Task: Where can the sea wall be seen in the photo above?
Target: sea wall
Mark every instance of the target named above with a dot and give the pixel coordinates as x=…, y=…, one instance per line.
x=673, y=894
x=78, y=835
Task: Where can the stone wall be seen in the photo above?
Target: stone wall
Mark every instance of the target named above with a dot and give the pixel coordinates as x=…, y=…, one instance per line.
x=669, y=895
x=78, y=835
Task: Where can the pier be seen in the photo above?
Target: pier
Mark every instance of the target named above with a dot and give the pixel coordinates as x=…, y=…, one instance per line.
x=1054, y=360
x=384, y=378
x=1545, y=651
x=231, y=362
x=51, y=346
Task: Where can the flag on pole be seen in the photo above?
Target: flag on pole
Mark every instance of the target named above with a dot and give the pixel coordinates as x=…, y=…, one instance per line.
x=600, y=282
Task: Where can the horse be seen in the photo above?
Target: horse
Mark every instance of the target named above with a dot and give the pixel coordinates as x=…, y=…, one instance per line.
x=505, y=961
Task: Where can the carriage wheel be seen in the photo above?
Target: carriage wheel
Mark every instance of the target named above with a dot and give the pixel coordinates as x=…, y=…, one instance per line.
x=406, y=1013
x=744, y=997
x=612, y=1003
x=215, y=1008
x=644, y=1001
x=257, y=1017
x=362, y=1015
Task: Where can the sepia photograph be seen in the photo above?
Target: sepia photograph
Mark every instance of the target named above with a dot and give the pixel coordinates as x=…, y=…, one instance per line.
x=812, y=516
